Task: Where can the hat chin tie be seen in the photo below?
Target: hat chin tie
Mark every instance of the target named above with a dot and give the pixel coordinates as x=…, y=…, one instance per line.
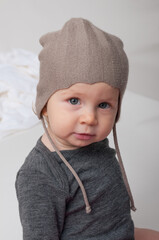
x=132, y=206
x=88, y=207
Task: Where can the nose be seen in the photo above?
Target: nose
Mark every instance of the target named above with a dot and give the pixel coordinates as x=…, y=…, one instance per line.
x=88, y=118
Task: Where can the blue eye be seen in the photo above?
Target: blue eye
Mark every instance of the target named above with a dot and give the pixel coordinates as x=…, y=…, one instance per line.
x=104, y=105
x=74, y=101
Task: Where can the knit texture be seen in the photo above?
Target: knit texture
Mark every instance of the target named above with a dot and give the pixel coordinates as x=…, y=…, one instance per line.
x=80, y=53
x=51, y=204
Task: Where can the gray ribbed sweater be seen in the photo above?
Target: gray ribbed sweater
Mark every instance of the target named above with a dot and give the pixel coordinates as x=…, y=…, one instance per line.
x=51, y=204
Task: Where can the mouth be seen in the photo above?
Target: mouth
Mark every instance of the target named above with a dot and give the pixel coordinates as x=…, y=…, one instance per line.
x=84, y=136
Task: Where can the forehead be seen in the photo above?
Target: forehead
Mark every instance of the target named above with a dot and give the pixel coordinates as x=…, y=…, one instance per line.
x=85, y=88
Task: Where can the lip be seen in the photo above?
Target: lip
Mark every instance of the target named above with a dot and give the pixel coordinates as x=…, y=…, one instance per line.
x=84, y=136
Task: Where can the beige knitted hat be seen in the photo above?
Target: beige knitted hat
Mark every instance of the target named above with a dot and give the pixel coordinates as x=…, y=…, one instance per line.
x=81, y=53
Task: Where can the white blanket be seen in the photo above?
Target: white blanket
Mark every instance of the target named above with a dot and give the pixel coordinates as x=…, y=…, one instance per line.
x=19, y=71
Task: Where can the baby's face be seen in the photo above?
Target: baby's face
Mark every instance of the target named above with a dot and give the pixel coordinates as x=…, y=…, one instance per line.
x=81, y=114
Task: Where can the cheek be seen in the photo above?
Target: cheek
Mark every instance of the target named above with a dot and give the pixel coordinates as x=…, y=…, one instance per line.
x=107, y=123
x=61, y=121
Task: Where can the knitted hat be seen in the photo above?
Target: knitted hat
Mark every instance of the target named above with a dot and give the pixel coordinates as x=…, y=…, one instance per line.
x=80, y=52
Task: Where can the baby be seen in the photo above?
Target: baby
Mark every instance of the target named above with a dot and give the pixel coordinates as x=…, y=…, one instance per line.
x=71, y=185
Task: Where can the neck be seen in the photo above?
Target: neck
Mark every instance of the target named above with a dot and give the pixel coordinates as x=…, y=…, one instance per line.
x=47, y=143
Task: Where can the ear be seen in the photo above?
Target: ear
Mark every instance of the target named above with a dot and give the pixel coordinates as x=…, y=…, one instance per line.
x=44, y=111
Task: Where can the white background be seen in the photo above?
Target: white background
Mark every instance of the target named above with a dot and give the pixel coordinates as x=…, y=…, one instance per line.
x=136, y=22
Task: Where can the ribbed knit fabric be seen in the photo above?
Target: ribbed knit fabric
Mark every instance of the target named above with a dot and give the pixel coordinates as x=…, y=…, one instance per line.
x=51, y=203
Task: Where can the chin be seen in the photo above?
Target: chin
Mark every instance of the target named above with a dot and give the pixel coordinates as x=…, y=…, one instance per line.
x=84, y=143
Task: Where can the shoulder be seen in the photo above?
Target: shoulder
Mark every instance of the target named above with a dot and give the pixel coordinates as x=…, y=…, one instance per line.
x=42, y=163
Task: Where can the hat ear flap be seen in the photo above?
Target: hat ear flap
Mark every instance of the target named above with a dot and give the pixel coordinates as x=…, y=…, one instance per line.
x=119, y=109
